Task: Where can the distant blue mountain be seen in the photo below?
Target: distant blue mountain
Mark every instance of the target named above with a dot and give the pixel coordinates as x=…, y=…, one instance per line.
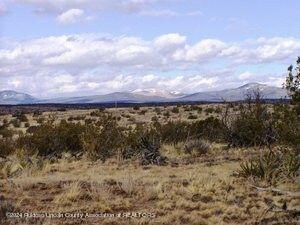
x=234, y=94
x=9, y=97
x=237, y=94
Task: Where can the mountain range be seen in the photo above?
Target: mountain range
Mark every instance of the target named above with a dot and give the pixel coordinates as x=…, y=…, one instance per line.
x=10, y=97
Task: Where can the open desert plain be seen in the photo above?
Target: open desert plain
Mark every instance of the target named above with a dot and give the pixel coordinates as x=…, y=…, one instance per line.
x=149, y=112
x=145, y=165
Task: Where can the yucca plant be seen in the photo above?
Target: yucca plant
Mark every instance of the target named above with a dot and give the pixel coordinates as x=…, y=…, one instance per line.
x=265, y=167
x=149, y=146
x=272, y=165
x=291, y=161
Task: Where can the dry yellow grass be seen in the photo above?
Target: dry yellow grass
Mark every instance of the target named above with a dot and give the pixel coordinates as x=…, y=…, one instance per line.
x=200, y=192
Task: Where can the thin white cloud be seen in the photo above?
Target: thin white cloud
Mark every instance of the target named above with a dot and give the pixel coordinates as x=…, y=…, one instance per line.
x=168, y=13
x=59, y=6
x=246, y=75
x=194, y=13
x=70, y=16
x=67, y=10
x=159, y=13
x=3, y=9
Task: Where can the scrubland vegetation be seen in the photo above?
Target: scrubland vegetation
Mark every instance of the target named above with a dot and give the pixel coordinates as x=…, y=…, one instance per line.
x=231, y=163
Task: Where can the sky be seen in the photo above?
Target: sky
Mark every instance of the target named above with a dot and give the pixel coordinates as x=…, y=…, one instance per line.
x=61, y=48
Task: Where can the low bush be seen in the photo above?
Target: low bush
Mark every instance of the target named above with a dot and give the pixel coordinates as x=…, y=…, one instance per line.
x=52, y=139
x=172, y=132
x=6, y=147
x=287, y=125
x=197, y=147
x=31, y=129
x=157, y=110
x=199, y=110
x=23, y=118
x=37, y=113
x=192, y=117
x=209, y=110
x=16, y=123
x=143, y=112
x=194, y=107
x=175, y=110
x=154, y=119
x=40, y=120
x=211, y=128
x=218, y=110
x=5, y=132
x=89, y=121
x=103, y=139
x=166, y=114
x=253, y=125
x=96, y=113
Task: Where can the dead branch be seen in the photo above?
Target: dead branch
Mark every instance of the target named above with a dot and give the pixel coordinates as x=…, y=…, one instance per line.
x=276, y=190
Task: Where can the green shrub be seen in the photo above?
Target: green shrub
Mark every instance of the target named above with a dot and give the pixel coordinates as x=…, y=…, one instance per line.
x=51, y=139
x=16, y=123
x=23, y=118
x=89, y=121
x=71, y=118
x=172, y=132
x=175, y=110
x=194, y=108
x=5, y=132
x=209, y=110
x=218, y=110
x=78, y=118
x=40, y=120
x=167, y=114
x=211, y=128
x=154, y=119
x=6, y=147
x=96, y=113
x=142, y=112
x=102, y=140
x=157, y=110
x=17, y=114
x=37, y=113
x=192, y=117
x=253, y=125
x=287, y=125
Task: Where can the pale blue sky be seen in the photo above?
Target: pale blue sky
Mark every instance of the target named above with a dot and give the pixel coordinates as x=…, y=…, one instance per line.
x=52, y=48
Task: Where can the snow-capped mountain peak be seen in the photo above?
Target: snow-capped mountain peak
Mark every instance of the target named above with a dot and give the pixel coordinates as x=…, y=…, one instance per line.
x=157, y=93
x=253, y=86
